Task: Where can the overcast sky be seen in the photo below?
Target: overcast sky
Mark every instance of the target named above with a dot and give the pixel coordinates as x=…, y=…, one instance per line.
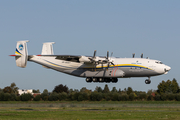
x=80, y=27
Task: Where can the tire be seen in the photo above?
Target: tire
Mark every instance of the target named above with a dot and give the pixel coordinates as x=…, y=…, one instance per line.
x=88, y=79
x=95, y=80
x=147, y=81
x=101, y=79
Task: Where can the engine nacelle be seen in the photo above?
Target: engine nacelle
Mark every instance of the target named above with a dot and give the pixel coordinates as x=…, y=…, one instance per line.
x=84, y=59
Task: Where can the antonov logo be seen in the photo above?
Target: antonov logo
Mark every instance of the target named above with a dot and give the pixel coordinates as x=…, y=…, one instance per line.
x=21, y=47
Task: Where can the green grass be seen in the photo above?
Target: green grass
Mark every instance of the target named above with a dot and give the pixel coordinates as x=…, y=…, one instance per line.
x=103, y=110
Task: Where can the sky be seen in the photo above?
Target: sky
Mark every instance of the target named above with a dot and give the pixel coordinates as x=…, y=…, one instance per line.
x=79, y=28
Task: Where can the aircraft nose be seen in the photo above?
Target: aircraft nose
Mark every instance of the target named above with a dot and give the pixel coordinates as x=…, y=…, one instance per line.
x=167, y=69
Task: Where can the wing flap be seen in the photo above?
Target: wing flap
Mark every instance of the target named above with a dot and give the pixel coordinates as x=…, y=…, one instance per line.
x=72, y=58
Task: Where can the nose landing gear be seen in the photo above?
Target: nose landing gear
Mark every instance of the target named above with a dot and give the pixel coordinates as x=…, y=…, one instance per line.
x=148, y=81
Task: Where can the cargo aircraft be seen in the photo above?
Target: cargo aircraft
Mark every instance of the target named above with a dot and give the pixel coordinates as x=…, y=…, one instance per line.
x=93, y=68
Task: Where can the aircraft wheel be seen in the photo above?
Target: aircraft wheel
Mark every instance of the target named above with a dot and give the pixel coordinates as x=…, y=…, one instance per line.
x=95, y=80
x=88, y=79
x=147, y=81
x=114, y=80
x=107, y=80
x=101, y=80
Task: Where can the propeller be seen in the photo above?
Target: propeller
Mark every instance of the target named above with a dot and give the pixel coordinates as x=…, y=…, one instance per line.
x=107, y=60
x=142, y=55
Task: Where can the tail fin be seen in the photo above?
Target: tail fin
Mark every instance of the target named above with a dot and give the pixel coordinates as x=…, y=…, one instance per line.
x=21, y=54
x=47, y=48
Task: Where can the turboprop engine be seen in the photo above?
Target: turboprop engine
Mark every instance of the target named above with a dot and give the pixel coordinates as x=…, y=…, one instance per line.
x=84, y=59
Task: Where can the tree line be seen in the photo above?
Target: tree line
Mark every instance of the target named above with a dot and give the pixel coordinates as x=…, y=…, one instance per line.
x=167, y=90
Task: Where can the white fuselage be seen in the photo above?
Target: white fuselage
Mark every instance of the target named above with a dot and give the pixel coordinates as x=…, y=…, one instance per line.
x=93, y=68
x=130, y=67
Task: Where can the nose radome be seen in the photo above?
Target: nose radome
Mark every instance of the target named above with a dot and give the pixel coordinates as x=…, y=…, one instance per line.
x=167, y=69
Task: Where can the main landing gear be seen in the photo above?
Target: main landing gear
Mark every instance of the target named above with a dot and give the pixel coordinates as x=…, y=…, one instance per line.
x=148, y=81
x=101, y=80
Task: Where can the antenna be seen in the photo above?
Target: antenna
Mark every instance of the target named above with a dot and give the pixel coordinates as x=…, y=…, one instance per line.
x=133, y=55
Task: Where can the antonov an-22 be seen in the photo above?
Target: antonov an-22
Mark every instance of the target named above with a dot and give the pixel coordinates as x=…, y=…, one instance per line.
x=93, y=68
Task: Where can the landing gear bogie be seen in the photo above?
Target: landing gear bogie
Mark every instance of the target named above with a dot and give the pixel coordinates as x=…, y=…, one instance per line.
x=101, y=80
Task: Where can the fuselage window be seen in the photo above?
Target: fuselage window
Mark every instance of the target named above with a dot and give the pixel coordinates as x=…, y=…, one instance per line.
x=158, y=62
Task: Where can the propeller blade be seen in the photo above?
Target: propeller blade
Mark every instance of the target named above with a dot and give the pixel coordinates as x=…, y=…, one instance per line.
x=142, y=55
x=107, y=55
x=112, y=63
x=133, y=55
x=111, y=54
x=92, y=59
x=104, y=73
x=94, y=54
x=107, y=66
x=95, y=66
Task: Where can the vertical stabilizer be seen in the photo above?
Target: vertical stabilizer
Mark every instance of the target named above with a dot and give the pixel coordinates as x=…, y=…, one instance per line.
x=47, y=48
x=21, y=54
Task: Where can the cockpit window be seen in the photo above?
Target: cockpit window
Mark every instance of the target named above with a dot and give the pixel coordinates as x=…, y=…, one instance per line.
x=158, y=62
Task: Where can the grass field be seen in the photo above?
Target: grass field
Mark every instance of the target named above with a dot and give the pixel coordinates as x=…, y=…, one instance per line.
x=111, y=110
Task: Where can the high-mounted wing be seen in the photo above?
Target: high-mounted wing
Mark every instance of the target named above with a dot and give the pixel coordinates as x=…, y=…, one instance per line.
x=71, y=58
x=86, y=59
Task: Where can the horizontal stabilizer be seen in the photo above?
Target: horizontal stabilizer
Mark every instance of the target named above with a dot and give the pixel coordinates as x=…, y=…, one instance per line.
x=15, y=55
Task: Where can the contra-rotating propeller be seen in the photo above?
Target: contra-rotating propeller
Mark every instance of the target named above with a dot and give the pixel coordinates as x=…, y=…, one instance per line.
x=106, y=61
